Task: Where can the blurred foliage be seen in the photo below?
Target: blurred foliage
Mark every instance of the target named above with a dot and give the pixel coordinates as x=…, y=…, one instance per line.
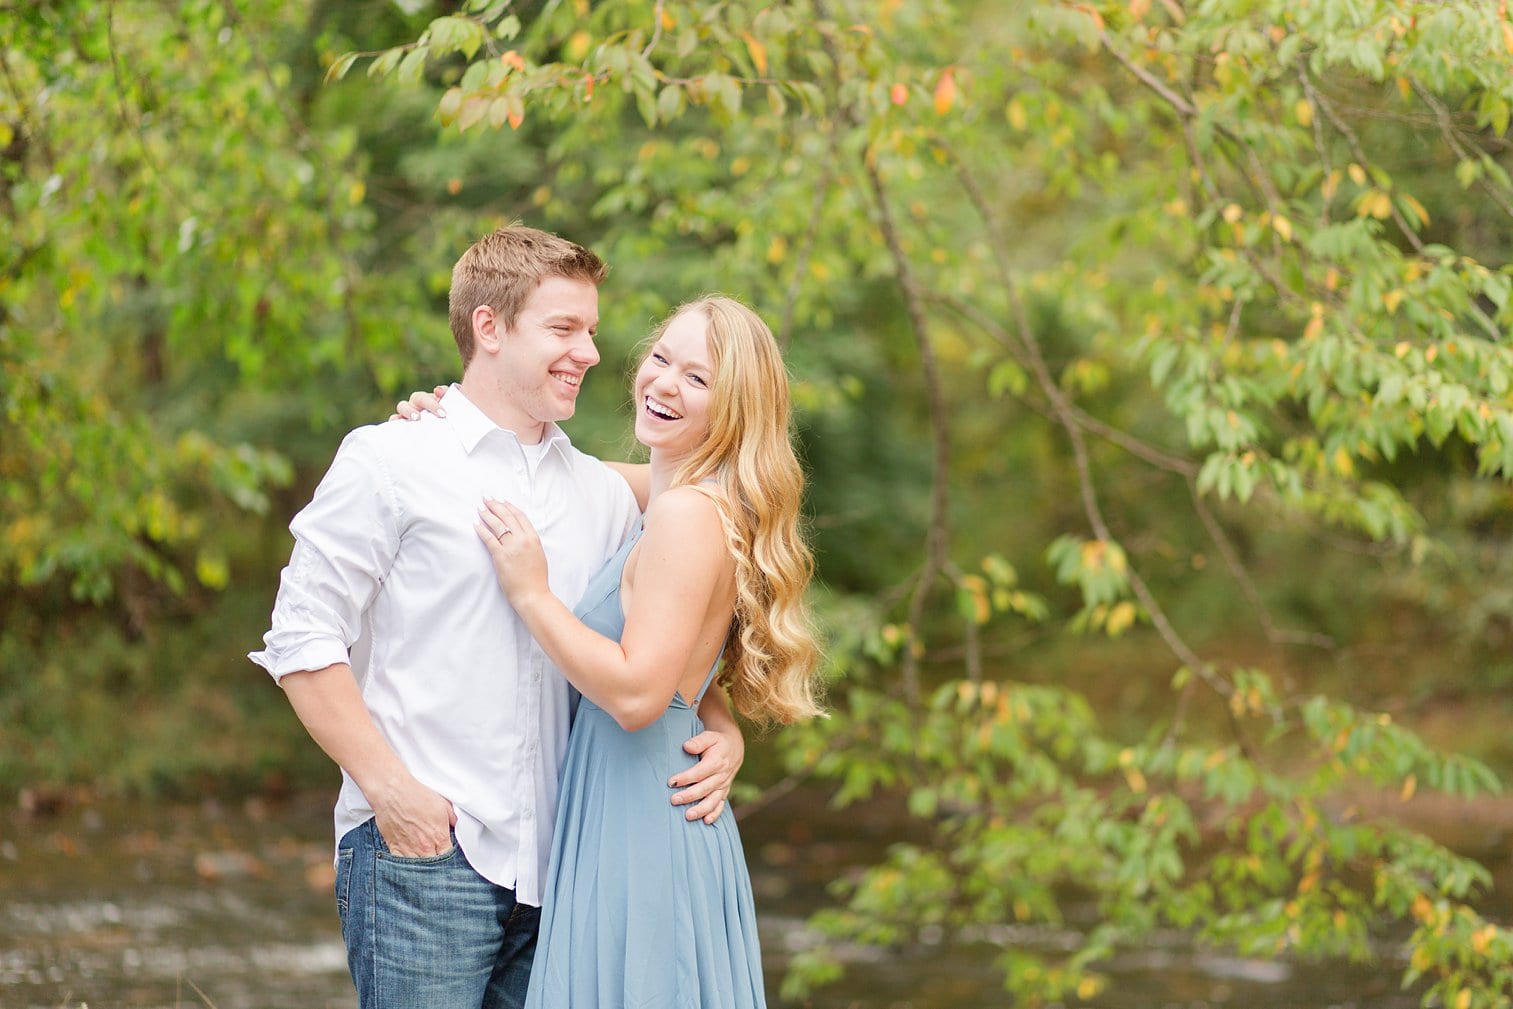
x=1150, y=359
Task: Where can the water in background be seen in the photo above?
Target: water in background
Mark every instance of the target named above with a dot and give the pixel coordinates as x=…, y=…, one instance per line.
x=229, y=906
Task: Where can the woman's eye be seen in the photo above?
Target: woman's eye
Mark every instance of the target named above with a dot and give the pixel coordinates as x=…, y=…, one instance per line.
x=659, y=358
x=697, y=380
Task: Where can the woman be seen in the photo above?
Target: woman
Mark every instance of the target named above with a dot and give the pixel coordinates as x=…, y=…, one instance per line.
x=643, y=908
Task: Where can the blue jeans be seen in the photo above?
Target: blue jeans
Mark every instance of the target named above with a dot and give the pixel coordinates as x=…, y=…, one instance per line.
x=429, y=933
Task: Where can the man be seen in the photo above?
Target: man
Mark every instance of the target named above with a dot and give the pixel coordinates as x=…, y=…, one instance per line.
x=404, y=662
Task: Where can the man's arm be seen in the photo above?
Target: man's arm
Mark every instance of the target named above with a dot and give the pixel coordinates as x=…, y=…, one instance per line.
x=345, y=538
x=721, y=750
x=414, y=820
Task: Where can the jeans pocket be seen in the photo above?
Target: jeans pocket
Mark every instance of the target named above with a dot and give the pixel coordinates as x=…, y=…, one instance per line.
x=382, y=852
x=343, y=881
x=445, y=856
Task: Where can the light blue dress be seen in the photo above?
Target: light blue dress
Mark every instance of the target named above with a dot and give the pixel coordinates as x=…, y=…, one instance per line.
x=642, y=909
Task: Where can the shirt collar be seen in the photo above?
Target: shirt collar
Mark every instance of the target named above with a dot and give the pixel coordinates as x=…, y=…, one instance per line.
x=472, y=425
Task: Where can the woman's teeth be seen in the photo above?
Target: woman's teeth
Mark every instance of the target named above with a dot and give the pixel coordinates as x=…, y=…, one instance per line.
x=658, y=410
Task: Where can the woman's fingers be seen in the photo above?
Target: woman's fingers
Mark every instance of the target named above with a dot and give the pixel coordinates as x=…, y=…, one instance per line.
x=430, y=402
x=490, y=540
x=513, y=518
x=495, y=526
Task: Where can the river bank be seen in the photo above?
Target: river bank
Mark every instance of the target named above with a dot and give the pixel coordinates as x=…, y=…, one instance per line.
x=226, y=904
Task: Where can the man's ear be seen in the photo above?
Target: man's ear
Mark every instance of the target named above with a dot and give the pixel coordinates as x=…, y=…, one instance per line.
x=488, y=331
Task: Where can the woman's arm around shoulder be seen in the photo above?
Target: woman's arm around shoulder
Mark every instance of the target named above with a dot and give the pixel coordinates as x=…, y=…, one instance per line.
x=638, y=475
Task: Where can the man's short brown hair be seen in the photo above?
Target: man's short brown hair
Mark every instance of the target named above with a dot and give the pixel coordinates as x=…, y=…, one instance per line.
x=501, y=270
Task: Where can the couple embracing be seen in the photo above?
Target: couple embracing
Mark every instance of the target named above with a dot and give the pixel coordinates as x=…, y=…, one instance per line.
x=513, y=766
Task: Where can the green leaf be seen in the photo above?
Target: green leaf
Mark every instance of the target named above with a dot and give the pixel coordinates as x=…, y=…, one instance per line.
x=340, y=66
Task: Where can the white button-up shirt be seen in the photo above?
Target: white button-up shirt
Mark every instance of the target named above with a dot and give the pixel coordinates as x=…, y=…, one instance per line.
x=388, y=574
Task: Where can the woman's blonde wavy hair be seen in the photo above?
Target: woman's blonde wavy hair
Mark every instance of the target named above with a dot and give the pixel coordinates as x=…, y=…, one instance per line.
x=771, y=658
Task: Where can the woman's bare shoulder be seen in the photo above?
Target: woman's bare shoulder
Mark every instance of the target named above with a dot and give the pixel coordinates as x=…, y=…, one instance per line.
x=693, y=507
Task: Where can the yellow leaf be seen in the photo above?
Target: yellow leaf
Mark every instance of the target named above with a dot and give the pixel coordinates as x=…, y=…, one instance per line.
x=1138, y=9
x=1315, y=323
x=1283, y=227
x=1016, y=115
x=1401, y=350
x=1304, y=111
x=1463, y=999
x=777, y=250
x=1357, y=174
x=758, y=53
x=356, y=192
x=1418, y=208
x=577, y=45
x=1233, y=213
x=1331, y=183
x=1483, y=938
x=1343, y=464
x=945, y=91
x=1089, y=987
x=898, y=94
x=668, y=21
x=1392, y=299
x=1507, y=36
x=212, y=570
x=1120, y=618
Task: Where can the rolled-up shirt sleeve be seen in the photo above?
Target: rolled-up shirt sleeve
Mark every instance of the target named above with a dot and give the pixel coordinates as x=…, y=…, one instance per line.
x=345, y=541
